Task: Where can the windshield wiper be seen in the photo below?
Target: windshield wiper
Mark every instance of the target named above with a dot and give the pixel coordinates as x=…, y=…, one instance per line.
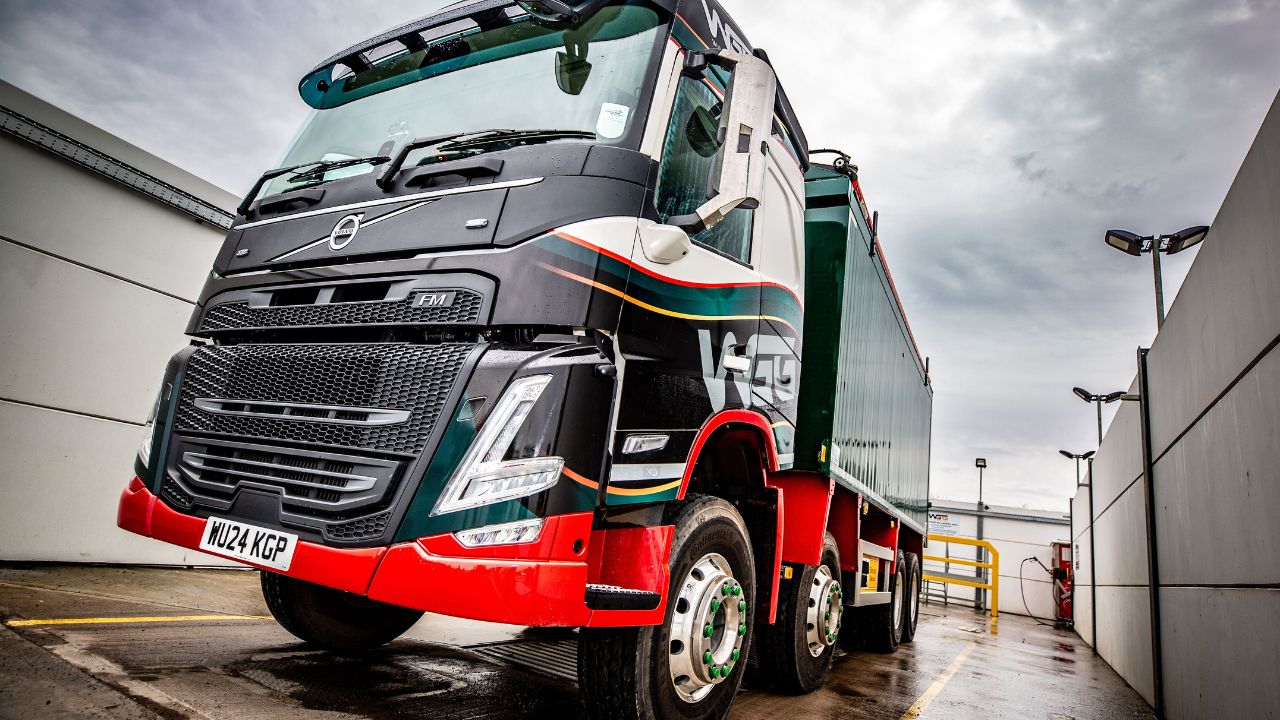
x=477, y=140
x=489, y=137
x=317, y=173
x=313, y=167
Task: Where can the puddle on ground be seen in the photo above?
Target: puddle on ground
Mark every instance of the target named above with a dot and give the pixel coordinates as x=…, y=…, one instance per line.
x=399, y=682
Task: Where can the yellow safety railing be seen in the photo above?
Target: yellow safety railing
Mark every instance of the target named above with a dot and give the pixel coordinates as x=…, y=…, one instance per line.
x=993, y=566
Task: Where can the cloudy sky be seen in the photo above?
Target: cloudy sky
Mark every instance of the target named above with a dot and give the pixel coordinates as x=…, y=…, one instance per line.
x=997, y=139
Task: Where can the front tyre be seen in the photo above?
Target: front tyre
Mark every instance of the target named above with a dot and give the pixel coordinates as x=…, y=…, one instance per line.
x=333, y=619
x=795, y=652
x=691, y=665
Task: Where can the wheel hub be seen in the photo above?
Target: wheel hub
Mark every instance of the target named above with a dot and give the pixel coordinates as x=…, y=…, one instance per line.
x=825, y=613
x=708, y=626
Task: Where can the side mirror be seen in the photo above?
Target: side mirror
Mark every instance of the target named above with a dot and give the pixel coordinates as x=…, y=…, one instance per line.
x=664, y=244
x=737, y=179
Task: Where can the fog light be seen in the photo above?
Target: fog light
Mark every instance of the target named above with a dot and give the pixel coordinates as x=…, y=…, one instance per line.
x=643, y=443
x=523, y=531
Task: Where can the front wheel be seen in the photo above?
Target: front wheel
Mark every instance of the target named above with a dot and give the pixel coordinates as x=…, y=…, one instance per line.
x=333, y=619
x=691, y=665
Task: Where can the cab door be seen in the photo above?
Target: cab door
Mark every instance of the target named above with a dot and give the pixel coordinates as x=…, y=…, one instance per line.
x=780, y=259
x=689, y=327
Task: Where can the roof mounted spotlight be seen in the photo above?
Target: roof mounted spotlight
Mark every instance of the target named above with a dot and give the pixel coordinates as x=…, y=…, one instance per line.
x=560, y=11
x=1183, y=239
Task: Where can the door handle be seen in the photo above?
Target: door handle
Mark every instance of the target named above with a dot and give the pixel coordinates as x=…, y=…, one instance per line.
x=735, y=361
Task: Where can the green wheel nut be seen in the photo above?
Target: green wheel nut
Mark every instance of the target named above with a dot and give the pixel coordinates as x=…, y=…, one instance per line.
x=742, y=606
x=715, y=671
x=706, y=658
x=737, y=590
x=736, y=654
x=726, y=670
x=742, y=629
x=708, y=630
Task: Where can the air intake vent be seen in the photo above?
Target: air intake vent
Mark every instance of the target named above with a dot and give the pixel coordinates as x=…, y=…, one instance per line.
x=309, y=483
x=339, y=414
x=423, y=307
x=362, y=529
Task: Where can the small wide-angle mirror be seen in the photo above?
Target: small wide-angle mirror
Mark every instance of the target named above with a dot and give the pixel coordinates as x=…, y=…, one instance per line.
x=702, y=130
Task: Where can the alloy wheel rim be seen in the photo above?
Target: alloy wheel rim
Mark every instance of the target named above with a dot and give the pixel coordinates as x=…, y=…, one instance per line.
x=825, y=612
x=708, y=626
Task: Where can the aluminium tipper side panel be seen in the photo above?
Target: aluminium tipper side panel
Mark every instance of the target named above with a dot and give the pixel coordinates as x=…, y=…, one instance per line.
x=863, y=397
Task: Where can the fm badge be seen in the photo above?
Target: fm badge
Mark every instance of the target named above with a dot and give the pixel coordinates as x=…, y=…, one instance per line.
x=345, y=231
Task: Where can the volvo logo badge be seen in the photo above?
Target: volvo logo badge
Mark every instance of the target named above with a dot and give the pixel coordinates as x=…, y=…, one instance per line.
x=345, y=231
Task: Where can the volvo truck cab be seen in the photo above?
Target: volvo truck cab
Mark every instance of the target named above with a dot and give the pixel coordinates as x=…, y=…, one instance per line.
x=514, y=333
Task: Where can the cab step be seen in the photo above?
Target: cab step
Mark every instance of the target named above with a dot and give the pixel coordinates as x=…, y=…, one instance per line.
x=612, y=597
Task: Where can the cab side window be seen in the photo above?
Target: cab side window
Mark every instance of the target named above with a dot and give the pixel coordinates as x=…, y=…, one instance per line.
x=687, y=158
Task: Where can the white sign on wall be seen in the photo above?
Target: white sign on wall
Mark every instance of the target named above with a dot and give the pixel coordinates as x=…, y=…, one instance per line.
x=943, y=524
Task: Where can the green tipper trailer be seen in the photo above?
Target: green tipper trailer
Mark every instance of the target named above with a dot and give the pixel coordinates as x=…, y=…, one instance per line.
x=866, y=401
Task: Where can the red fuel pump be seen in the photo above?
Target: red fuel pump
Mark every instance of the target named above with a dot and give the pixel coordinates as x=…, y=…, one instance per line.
x=1063, y=577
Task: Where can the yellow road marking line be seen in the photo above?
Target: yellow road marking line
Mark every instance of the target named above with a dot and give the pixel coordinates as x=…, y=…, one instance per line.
x=143, y=619
x=923, y=701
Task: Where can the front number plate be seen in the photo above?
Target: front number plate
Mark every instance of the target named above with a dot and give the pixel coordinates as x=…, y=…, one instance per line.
x=256, y=545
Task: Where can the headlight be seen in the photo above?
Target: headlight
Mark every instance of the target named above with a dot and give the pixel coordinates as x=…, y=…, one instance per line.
x=483, y=477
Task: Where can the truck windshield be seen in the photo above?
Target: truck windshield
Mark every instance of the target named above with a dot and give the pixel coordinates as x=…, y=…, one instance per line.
x=509, y=71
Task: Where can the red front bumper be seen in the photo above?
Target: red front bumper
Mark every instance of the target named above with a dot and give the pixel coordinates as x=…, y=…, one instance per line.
x=541, y=583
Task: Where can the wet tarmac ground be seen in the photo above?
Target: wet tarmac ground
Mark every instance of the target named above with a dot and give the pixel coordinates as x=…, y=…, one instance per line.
x=113, y=642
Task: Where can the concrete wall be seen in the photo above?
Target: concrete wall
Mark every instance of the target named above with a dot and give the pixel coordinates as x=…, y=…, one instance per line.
x=1015, y=540
x=96, y=284
x=1214, y=394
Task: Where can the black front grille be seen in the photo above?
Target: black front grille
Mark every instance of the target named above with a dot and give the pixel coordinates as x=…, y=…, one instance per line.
x=412, y=310
x=397, y=377
x=310, y=484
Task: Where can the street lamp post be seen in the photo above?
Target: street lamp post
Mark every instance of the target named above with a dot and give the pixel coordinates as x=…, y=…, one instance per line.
x=980, y=596
x=1093, y=575
x=1135, y=245
x=1087, y=396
